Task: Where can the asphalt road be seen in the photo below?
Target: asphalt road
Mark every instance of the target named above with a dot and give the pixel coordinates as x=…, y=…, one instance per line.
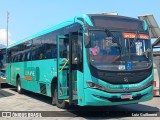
x=28, y=102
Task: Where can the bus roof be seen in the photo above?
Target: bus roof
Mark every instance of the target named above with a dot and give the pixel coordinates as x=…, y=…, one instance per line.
x=56, y=27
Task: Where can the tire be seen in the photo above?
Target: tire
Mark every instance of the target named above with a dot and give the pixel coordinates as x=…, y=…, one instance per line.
x=19, y=88
x=59, y=103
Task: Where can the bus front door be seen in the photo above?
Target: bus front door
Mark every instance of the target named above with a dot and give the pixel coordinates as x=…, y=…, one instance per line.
x=63, y=67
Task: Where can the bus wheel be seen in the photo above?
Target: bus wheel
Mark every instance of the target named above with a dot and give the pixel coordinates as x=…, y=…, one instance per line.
x=59, y=103
x=19, y=88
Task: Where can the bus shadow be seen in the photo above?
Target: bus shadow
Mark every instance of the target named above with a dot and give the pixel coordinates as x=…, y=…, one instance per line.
x=36, y=96
x=4, y=93
x=5, y=85
x=98, y=112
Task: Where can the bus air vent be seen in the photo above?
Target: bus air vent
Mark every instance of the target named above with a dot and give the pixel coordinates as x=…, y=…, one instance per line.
x=43, y=88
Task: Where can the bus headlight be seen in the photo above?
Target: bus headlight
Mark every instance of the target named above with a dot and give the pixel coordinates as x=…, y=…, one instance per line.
x=94, y=85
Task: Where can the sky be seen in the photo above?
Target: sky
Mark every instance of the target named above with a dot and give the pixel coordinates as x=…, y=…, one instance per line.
x=28, y=17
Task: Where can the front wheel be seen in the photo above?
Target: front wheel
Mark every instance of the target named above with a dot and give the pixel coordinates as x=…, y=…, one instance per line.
x=60, y=103
x=19, y=88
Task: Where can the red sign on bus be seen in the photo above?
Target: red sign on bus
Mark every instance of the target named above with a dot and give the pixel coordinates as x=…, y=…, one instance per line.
x=129, y=35
x=144, y=36
x=133, y=35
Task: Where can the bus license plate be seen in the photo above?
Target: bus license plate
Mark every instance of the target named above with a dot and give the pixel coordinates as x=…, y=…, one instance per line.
x=126, y=96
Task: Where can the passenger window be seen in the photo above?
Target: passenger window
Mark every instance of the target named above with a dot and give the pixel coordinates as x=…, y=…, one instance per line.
x=23, y=57
x=64, y=48
x=49, y=54
x=28, y=56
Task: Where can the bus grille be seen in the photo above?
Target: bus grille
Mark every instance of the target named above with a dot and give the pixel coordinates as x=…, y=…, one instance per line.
x=124, y=77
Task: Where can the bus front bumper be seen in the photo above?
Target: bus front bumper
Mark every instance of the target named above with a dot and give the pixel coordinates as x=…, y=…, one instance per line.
x=94, y=97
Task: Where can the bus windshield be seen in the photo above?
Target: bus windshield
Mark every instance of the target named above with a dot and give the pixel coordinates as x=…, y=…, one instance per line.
x=112, y=51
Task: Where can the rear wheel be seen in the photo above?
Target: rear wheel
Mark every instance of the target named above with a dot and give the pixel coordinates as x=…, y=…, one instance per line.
x=19, y=88
x=59, y=103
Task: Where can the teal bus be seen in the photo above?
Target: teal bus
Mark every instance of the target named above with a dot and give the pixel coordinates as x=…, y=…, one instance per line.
x=89, y=60
x=2, y=65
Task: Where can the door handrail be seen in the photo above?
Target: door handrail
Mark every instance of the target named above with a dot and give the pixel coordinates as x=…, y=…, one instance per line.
x=64, y=65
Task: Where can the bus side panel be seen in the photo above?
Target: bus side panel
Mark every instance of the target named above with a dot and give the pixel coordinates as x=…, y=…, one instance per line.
x=8, y=73
x=45, y=71
x=41, y=72
x=17, y=69
x=27, y=72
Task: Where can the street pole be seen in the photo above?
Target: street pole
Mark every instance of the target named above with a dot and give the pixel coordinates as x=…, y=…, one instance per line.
x=7, y=26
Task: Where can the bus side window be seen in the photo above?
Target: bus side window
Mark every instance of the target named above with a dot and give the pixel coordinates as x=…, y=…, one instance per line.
x=23, y=57
x=19, y=58
x=15, y=58
x=54, y=53
x=41, y=56
x=28, y=56
x=11, y=59
x=36, y=55
x=49, y=54
x=8, y=56
x=33, y=55
x=1, y=58
x=41, y=53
